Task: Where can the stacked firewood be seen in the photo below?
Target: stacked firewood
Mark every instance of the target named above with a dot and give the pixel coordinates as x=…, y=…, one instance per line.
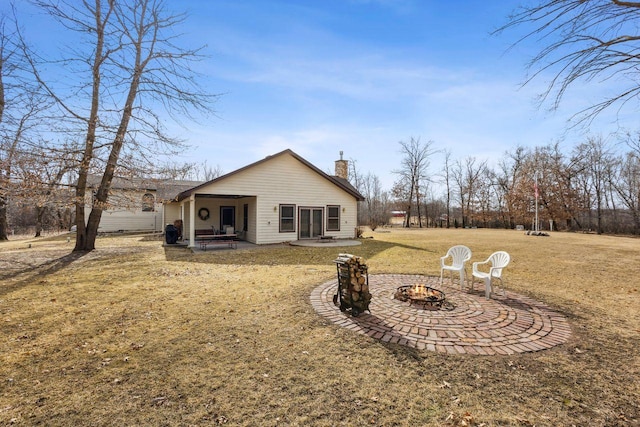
x=353, y=285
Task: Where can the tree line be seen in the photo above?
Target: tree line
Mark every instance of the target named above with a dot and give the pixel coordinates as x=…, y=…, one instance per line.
x=593, y=187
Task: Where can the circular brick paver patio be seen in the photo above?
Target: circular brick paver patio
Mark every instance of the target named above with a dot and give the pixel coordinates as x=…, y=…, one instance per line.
x=471, y=324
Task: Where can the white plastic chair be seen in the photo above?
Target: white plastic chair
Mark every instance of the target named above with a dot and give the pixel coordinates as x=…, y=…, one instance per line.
x=459, y=254
x=498, y=261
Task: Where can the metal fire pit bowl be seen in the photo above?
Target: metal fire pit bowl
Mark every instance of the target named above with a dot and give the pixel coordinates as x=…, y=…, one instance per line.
x=427, y=296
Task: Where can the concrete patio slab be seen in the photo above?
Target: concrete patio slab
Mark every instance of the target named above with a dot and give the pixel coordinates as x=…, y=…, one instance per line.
x=325, y=243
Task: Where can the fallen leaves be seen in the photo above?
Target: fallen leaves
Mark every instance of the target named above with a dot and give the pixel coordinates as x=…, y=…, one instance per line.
x=159, y=401
x=221, y=419
x=524, y=422
x=464, y=420
x=445, y=384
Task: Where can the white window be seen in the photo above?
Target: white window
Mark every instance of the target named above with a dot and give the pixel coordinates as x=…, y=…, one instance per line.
x=287, y=218
x=333, y=218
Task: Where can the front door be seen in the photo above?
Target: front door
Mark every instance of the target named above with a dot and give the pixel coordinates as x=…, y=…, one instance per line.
x=310, y=223
x=227, y=217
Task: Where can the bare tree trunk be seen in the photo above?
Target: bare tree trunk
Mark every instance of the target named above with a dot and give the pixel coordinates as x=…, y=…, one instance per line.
x=447, y=180
x=418, y=205
x=4, y=226
x=3, y=181
x=88, y=231
x=40, y=211
x=407, y=222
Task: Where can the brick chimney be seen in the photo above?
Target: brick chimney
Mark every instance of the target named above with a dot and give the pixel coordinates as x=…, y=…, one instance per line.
x=342, y=168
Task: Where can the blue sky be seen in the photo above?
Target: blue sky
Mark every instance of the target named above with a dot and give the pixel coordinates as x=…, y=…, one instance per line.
x=324, y=76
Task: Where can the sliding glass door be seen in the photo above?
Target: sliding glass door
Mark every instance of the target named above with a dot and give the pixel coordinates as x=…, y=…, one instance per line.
x=310, y=223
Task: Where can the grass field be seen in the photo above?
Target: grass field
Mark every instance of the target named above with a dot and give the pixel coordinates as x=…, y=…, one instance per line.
x=137, y=334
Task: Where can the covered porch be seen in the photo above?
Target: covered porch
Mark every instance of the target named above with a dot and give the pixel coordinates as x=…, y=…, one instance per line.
x=214, y=214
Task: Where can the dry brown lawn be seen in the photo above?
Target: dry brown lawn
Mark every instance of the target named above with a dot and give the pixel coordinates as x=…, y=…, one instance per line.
x=137, y=334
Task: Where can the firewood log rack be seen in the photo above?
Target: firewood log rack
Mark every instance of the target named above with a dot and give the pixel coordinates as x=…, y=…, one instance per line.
x=353, y=284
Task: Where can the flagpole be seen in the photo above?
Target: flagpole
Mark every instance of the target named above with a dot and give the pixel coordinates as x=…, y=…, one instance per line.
x=536, y=191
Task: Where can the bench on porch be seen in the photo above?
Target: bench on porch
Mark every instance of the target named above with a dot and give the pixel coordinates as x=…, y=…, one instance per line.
x=205, y=237
x=205, y=243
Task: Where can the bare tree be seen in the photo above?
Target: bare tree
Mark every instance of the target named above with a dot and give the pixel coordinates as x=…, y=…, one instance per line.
x=354, y=176
x=597, y=160
x=413, y=172
x=21, y=107
x=633, y=141
x=210, y=172
x=457, y=174
x=446, y=176
x=41, y=174
x=8, y=144
x=133, y=67
x=375, y=201
x=374, y=210
x=563, y=194
x=627, y=186
x=507, y=179
x=486, y=200
x=467, y=175
x=583, y=41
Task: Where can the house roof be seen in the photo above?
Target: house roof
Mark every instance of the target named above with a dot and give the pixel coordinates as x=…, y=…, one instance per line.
x=339, y=182
x=165, y=189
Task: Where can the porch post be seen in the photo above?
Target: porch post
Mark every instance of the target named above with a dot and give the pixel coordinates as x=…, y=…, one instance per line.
x=162, y=223
x=192, y=221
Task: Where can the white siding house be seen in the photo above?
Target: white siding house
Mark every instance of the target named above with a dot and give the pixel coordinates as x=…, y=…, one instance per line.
x=278, y=199
x=135, y=204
